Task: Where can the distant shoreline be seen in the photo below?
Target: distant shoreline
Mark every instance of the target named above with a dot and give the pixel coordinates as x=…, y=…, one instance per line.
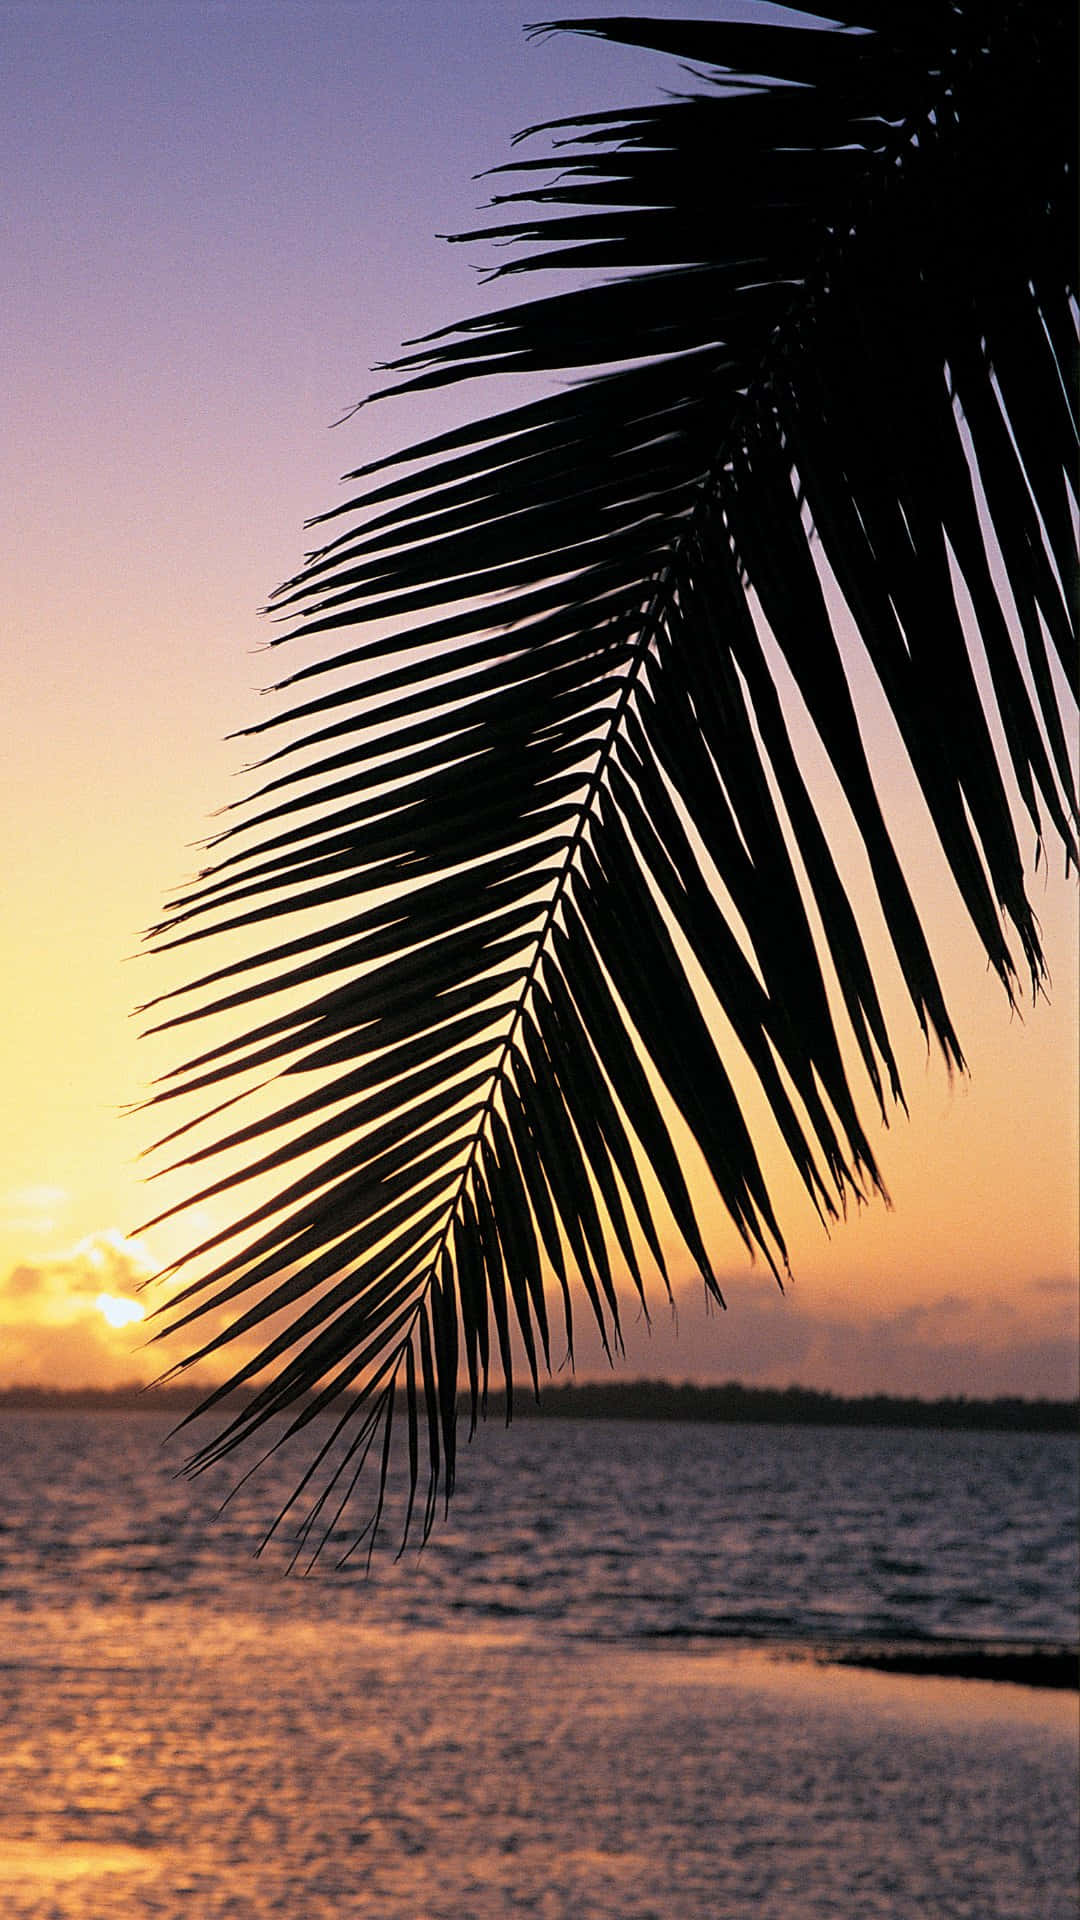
x=729, y=1403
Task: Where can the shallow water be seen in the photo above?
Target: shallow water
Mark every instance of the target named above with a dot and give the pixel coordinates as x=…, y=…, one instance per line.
x=610, y=1530
x=497, y=1732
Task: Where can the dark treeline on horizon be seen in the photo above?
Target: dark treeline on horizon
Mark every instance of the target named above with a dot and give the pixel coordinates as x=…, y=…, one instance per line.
x=654, y=1400
x=793, y=1406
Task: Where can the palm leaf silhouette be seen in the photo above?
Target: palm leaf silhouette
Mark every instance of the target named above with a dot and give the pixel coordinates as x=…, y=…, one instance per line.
x=537, y=803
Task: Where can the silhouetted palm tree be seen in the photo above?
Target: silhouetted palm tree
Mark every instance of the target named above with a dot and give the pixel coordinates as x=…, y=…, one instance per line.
x=540, y=803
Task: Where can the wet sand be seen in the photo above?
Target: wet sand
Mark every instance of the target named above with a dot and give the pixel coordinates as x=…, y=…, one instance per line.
x=243, y=1773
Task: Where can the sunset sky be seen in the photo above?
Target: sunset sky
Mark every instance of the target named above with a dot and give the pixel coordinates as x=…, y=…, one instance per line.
x=218, y=217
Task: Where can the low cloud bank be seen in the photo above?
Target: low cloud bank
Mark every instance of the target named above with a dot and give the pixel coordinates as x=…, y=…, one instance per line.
x=1025, y=1343
x=51, y=1331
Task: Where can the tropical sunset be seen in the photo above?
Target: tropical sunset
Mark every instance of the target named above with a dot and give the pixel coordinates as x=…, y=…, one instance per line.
x=199, y=287
x=635, y=850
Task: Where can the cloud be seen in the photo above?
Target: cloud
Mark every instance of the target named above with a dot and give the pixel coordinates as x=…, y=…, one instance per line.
x=948, y=1344
x=52, y=1334
x=80, y=1353
x=32, y=1209
x=23, y=1283
x=1063, y=1286
x=51, y=1331
x=61, y=1287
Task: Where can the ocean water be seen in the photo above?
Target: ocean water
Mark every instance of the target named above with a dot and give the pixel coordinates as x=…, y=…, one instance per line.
x=606, y=1688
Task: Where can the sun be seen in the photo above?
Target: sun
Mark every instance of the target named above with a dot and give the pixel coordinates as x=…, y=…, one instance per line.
x=118, y=1311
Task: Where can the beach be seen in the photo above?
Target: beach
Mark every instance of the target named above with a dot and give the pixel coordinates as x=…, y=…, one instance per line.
x=251, y=1771
x=613, y=1687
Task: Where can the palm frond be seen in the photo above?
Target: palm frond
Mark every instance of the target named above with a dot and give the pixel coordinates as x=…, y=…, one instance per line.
x=538, y=801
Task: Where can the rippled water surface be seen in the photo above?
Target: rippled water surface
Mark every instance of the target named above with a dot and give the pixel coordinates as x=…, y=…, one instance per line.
x=582, y=1700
